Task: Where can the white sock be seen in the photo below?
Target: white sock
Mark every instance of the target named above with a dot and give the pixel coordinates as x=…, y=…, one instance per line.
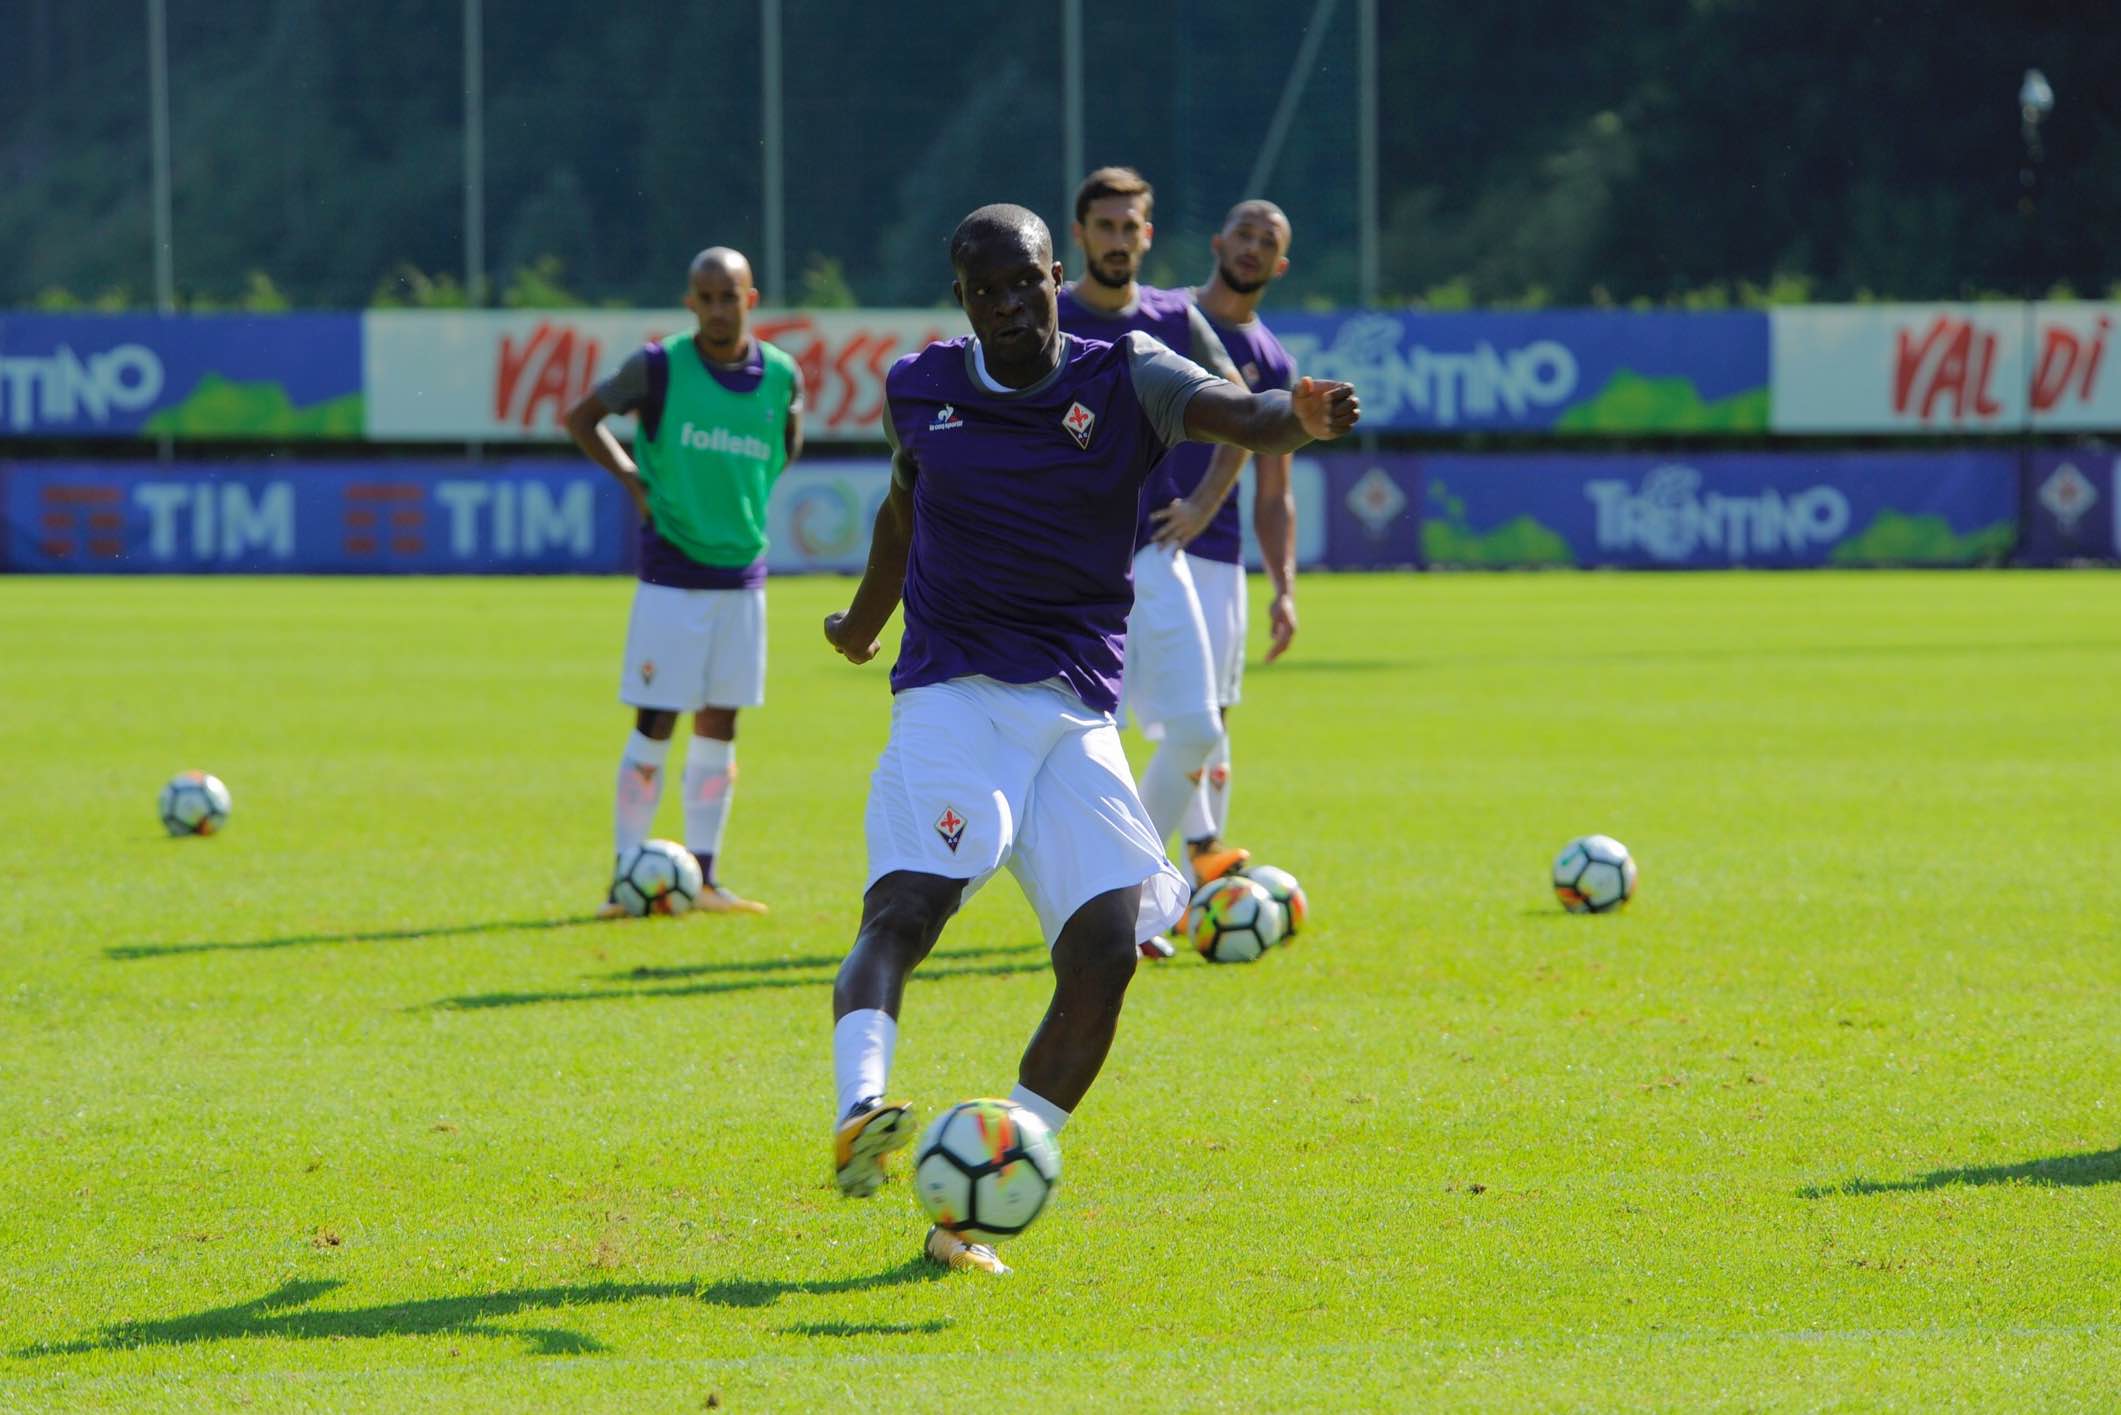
x=1167, y=782
x=640, y=790
x=862, y=1043
x=1208, y=812
x=710, y=780
x=1056, y=1119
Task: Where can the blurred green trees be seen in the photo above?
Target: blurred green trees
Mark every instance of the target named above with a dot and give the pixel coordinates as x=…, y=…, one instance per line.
x=1684, y=152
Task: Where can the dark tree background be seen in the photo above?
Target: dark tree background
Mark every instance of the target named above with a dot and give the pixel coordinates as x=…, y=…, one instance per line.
x=1533, y=151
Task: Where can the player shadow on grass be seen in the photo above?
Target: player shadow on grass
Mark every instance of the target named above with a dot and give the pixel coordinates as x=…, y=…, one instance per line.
x=646, y=973
x=129, y=952
x=2056, y=1171
x=932, y=972
x=286, y=1313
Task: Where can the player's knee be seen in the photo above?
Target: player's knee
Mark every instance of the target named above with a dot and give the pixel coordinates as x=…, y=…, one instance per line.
x=1095, y=955
x=655, y=724
x=1108, y=971
x=904, y=912
x=1191, y=736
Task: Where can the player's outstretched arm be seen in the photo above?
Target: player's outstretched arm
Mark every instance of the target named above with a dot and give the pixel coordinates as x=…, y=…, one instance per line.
x=854, y=632
x=585, y=424
x=1273, y=421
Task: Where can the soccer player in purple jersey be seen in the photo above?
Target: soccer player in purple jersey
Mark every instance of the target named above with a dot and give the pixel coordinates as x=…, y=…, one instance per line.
x=1018, y=462
x=1251, y=252
x=1170, y=682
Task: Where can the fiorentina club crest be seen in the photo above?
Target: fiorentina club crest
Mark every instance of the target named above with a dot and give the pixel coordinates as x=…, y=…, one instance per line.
x=1079, y=420
x=647, y=670
x=951, y=826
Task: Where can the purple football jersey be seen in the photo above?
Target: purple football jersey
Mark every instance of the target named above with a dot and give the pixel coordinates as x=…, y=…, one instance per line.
x=1263, y=363
x=1169, y=316
x=1024, y=508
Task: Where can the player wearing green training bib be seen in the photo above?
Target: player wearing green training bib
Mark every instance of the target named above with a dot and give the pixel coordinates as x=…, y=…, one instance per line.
x=721, y=416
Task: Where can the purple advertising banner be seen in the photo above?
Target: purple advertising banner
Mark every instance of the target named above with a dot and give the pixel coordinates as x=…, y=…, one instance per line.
x=2072, y=506
x=1777, y=510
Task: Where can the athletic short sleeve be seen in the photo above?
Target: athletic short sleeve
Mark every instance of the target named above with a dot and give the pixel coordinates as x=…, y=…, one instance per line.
x=1208, y=350
x=626, y=390
x=1164, y=383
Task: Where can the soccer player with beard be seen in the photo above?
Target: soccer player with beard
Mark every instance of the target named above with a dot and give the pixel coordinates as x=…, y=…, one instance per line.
x=1170, y=683
x=1019, y=455
x=1251, y=252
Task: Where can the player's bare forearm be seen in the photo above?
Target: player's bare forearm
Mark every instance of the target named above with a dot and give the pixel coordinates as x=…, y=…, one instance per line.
x=585, y=424
x=855, y=632
x=1274, y=522
x=1180, y=523
x=1272, y=422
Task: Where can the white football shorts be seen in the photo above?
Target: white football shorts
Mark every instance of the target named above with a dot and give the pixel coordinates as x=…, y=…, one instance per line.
x=689, y=649
x=1169, y=671
x=1220, y=587
x=979, y=775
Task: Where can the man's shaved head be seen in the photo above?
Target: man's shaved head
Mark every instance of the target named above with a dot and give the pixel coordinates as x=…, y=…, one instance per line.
x=1260, y=209
x=1001, y=221
x=719, y=291
x=721, y=258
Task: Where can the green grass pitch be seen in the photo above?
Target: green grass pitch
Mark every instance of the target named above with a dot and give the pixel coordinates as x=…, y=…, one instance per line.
x=350, y=1108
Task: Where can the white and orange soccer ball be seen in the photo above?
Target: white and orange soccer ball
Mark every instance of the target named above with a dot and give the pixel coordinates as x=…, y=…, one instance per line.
x=194, y=803
x=985, y=1169
x=1282, y=888
x=657, y=877
x=1233, y=920
x=1594, y=874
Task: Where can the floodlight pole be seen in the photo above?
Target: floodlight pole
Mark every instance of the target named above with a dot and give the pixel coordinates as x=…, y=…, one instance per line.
x=772, y=177
x=474, y=153
x=1071, y=104
x=2035, y=101
x=1366, y=142
x=158, y=131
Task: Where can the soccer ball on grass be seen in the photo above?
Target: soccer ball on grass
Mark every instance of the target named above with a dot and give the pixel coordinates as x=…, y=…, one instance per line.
x=985, y=1169
x=1282, y=888
x=1594, y=873
x=657, y=877
x=193, y=803
x=1232, y=920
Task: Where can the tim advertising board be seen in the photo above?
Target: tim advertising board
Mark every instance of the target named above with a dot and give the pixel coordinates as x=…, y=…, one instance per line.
x=510, y=376
x=313, y=518
x=1946, y=368
x=1770, y=510
x=1563, y=371
x=280, y=377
